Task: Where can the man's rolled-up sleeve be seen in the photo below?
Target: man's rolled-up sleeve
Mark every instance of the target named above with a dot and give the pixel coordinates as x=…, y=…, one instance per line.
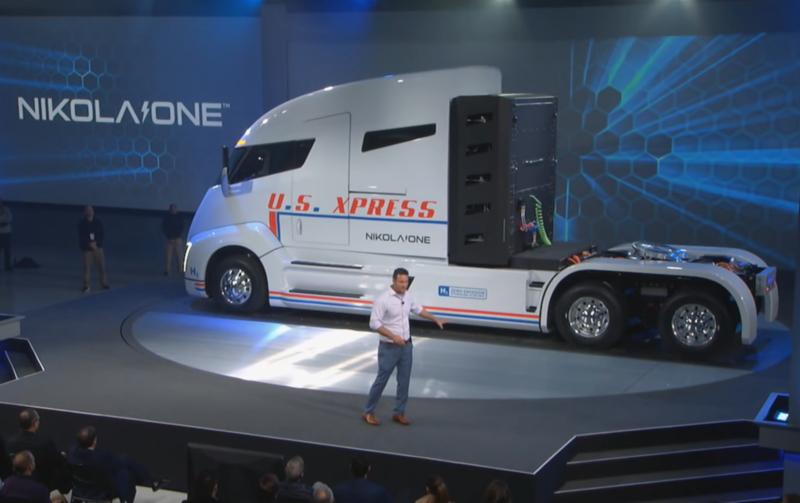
x=376, y=317
x=416, y=308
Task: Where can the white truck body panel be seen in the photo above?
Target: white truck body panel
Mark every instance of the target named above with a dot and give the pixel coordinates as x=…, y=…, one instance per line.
x=330, y=233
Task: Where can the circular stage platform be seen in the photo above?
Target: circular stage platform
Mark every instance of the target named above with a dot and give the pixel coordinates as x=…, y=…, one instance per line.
x=279, y=349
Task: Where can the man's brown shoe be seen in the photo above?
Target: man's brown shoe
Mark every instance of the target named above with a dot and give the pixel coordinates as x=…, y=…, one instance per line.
x=370, y=419
x=401, y=419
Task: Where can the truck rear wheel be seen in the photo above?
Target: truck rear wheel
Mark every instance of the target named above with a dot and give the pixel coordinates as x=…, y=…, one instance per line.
x=238, y=285
x=695, y=323
x=590, y=315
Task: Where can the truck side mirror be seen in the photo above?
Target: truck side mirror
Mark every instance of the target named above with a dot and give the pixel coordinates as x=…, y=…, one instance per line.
x=226, y=187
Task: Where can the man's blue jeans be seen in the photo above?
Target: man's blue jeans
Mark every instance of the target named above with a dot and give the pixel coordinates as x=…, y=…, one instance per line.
x=389, y=358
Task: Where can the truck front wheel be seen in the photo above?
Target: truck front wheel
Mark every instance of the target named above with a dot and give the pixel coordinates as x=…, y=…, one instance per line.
x=695, y=323
x=238, y=284
x=590, y=315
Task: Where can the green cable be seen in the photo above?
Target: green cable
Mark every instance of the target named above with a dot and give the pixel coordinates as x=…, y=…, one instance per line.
x=540, y=221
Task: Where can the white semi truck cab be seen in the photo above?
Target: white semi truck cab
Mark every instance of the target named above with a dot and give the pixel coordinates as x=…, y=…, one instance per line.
x=442, y=174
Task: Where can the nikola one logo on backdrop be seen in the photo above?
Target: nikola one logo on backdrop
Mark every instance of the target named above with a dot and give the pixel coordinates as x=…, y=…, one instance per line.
x=162, y=113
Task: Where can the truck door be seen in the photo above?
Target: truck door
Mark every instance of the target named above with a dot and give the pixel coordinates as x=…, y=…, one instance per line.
x=322, y=180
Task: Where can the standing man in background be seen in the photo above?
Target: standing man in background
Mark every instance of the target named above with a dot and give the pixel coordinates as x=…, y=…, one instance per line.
x=5, y=234
x=90, y=239
x=172, y=226
x=389, y=318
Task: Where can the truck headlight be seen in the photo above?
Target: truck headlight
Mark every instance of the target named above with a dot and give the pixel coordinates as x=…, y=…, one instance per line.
x=186, y=255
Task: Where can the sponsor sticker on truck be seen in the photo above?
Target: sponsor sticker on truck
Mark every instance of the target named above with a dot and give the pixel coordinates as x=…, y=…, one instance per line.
x=463, y=292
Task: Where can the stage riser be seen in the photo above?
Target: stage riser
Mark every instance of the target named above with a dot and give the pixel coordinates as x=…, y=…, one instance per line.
x=677, y=489
x=688, y=463
x=662, y=462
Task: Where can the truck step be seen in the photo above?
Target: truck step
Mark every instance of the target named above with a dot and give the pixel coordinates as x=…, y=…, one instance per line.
x=326, y=264
x=304, y=291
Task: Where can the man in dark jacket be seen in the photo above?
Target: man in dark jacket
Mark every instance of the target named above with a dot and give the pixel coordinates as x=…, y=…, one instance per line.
x=124, y=473
x=90, y=239
x=21, y=485
x=359, y=489
x=52, y=466
x=172, y=227
x=292, y=490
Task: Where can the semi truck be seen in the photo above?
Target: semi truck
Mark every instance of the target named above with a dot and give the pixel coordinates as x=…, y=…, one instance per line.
x=441, y=173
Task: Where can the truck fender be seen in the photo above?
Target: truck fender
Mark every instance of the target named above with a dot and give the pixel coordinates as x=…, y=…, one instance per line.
x=255, y=238
x=722, y=277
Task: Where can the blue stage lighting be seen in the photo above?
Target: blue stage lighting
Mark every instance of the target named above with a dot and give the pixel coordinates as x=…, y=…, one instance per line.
x=781, y=416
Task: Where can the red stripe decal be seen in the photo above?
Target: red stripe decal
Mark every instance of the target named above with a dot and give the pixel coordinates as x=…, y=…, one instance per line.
x=273, y=223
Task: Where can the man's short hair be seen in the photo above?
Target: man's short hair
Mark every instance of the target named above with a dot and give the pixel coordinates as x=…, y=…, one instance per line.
x=23, y=461
x=295, y=468
x=399, y=272
x=86, y=437
x=267, y=488
x=359, y=467
x=321, y=493
x=27, y=418
x=204, y=484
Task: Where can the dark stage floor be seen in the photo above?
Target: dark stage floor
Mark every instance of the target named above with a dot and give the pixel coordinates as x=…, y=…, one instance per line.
x=92, y=368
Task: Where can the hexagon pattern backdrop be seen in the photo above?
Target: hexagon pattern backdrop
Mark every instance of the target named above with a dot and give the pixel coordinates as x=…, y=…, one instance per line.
x=684, y=140
x=123, y=113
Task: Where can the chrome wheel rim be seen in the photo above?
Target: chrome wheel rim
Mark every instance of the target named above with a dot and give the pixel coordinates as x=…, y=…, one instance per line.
x=694, y=325
x=588, y=317
x=236, y=287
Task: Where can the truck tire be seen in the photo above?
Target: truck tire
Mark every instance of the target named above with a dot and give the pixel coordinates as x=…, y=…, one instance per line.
x=239, y=285
x=590, y=315
x=695, y=323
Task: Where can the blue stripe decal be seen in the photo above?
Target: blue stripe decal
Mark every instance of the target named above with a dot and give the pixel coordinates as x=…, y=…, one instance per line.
x=280, y=214
x=449, y=315
x=488, y=318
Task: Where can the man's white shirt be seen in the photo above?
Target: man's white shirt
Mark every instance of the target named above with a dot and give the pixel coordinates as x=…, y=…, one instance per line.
x=391, y=310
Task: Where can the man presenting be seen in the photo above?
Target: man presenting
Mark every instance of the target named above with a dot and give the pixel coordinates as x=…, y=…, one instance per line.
x=390, y=319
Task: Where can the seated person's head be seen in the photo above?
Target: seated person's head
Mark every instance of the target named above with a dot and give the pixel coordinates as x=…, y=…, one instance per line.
x=295, y=469
x=791, y=498
x=359, y=467
x=87, y=438
x=267, y=488
x=24, y=463
x=205, y=486
x=497, y=492
x=29, y=420
x=322, y=493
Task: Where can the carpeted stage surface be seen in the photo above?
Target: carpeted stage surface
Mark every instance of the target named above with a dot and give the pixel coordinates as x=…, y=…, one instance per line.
x=91, y=369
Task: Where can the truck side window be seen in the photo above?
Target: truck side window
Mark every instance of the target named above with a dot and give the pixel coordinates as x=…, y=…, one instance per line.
x=271, y=158
x=373, y=140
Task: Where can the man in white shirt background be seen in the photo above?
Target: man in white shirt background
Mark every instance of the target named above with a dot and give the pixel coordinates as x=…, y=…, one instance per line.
x=389, y=318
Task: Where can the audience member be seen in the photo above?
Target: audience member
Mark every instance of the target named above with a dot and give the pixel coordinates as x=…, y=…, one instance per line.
x=435, y=491
x=292, y=490
x=90, y=239
x=204, y=489
x=497, y=492
x=268, y=488
x=791, y=498
x=359, y=489
x=321, y=493
x=22, y=485
x=125, y=473
x=6, y=470
x=5, y=233
x=172, y=227
x=52, y=466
